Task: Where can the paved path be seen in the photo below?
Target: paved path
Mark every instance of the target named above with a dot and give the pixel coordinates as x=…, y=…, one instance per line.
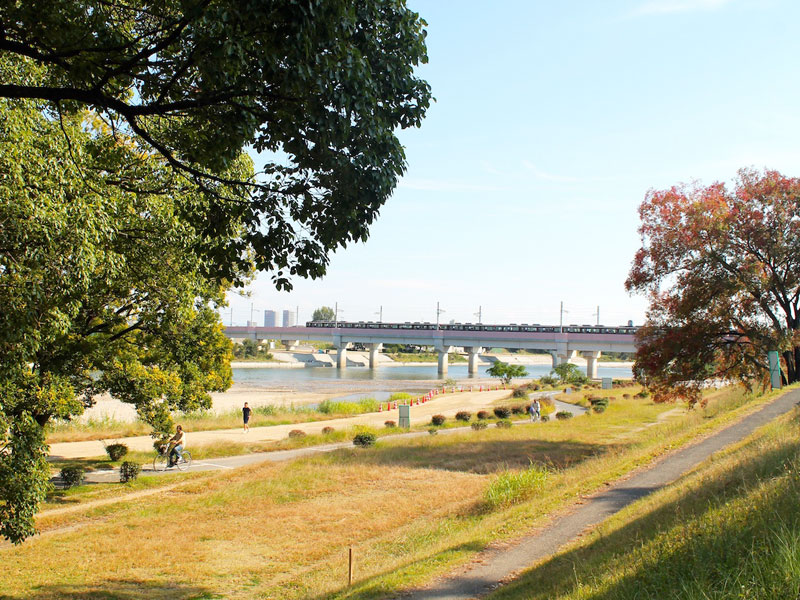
x=446, y=404
x=498, y=565
x=232, y=462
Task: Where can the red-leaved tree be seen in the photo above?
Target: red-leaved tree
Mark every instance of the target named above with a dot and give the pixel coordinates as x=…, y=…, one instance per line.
x=722, y=269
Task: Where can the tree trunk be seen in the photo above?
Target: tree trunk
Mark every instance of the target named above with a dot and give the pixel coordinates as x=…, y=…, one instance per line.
x=790, y=357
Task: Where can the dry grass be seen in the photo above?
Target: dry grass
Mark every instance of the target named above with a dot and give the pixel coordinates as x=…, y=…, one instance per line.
x=409, y=508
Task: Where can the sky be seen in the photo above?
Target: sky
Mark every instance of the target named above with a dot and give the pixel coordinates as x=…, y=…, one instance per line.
x=552, y=120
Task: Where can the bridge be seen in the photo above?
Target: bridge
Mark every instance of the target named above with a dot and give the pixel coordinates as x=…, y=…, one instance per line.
x=563, y=343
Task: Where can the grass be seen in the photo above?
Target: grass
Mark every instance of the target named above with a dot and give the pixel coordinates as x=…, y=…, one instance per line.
x=409, y=508
x=731, y=529
x=261, y=416
x=423, y=357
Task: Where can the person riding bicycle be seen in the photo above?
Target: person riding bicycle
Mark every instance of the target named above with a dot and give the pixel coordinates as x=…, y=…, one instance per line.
x=177, y=442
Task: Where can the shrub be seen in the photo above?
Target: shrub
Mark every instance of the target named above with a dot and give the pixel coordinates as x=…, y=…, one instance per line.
x=548, y=380
x=518, y=410
x=437, y=420
x=297, y=433
x=547, y=406
x=545, y=418
x=364, y=439
x=478, y=425
x=482, y=414
x=535, y=387
x=390, y=424
x=502, y=412
x=116, y=451
x=399, y=396
x=598, y=408
x=519, y=393
x=72, y=476
x=129, y=471
x=433, y=431
x=504, y=424
x=563, y=415
x=626, y=396
x=327, y=430
x=642, y=394
x=463, y=415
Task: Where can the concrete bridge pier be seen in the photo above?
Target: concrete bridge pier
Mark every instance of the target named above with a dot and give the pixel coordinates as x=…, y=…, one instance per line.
x=373, y=355
x=564, y=356
x=591, y=363
x=291, y=344
x=474, y=353
x=341, y=356
x=443, y=355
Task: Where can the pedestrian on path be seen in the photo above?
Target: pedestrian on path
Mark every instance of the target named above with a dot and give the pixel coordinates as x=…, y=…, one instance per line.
x=246, y=417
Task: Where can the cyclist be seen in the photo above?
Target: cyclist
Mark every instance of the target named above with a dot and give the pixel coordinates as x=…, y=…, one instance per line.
x=178, y=443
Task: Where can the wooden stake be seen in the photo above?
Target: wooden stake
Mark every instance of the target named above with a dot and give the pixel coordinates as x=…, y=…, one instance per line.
x=350, y=569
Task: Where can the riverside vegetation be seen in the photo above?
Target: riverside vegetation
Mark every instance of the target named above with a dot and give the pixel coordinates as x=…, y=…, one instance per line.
x=410, y=509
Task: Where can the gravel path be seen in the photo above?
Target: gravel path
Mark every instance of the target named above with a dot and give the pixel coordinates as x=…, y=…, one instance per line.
x=495, y=566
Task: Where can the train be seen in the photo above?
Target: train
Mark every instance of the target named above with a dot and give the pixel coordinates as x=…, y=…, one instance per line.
x=629, y=329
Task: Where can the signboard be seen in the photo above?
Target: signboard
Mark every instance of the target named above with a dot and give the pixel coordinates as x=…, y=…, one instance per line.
x=404, y=416
x=608, y=383
x=774, y=370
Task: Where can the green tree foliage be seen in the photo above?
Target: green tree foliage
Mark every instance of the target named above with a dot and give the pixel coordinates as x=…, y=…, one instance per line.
x=101, y=291
x=506, y=372
x=568, y=373
x=318, y=87
x=324, y=313
x=722, y=269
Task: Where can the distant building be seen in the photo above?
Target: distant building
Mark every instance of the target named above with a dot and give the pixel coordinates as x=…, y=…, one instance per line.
x=252, y=324
x=270, y=318
x=288, y=318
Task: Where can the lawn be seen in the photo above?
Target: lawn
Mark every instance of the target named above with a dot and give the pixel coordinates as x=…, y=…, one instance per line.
x=410, y=509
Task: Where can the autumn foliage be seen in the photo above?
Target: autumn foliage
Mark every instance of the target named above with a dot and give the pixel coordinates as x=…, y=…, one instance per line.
x=722, y=270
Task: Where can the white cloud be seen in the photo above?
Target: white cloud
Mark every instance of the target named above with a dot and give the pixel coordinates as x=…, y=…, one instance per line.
x=664, y=7
x=545, y=176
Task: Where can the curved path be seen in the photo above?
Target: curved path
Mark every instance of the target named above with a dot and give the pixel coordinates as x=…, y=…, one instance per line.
x=495, y=566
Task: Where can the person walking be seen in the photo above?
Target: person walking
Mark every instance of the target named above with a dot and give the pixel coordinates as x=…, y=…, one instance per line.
x=246, y=417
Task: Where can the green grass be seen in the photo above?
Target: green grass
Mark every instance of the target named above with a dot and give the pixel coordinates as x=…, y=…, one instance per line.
x=340, y=407
x=423, y=357
x=412, y=509
x=731, y=529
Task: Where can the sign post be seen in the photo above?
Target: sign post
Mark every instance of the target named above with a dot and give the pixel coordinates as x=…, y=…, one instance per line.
x=774, y=369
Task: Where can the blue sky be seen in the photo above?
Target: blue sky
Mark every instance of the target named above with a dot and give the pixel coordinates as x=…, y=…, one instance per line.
x=551, y=122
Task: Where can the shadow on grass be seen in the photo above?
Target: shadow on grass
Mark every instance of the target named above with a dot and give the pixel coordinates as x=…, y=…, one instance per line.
x=119, y=589
x=475, y=456
x=691, y=547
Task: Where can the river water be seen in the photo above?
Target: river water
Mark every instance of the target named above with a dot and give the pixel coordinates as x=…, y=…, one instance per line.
x=393, y=378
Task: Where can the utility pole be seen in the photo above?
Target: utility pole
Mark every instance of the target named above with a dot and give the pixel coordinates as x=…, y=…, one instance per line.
x=597, y=314
x=251, y=313
x=439, y=311
x=380, y=312
x=478, y=314
x=231, y=321
x=297, y=316
x=336, y=316
x=561, y=318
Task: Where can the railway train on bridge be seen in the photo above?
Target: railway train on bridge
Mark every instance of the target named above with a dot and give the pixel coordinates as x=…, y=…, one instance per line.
x=513, y=327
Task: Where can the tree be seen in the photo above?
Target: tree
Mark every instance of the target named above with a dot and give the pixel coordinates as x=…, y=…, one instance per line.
x=722, y=268
x=102, y=290
x=569, y=373
x=318, y=87
x=506, y=371
x=324, y=313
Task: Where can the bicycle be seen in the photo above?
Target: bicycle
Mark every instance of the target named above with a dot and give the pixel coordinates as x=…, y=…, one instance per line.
x=161, y=462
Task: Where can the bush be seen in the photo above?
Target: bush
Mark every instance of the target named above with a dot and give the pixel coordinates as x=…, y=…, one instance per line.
x=504, y=424
x=535, y=387
x=437, y=420
x=463, y=415
x=518, y=410
x=390, y=424
x=519, y=393
x=433, y=431
x=545, y=418
x=364, y=439
x=297, y=433
x=626, y=396
x=116, y=451
x=598, y=408
x=72, y=476
x=482, y=414
x=502, y=412
x=129, y=471
x=327, y=430
x=562, y=415
x=478, y=425
x=642, y=394
x=548, y=380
